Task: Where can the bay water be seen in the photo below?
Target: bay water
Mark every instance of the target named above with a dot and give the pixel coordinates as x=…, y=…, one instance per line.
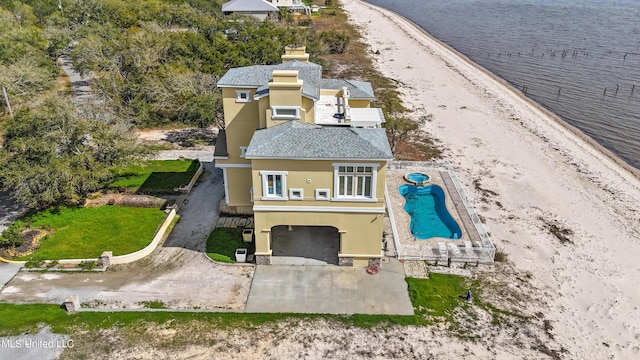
x=579, y=58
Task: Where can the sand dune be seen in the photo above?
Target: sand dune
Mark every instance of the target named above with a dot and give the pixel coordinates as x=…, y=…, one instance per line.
x=544, y=172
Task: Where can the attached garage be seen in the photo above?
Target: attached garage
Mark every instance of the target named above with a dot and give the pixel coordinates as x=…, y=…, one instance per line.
x=305, y=245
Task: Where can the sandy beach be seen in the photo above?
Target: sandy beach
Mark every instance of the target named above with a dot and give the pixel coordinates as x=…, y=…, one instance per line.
x=542, y=172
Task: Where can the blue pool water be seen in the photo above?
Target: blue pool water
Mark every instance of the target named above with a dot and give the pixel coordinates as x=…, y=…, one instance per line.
x=429, y=215
x=418, y=177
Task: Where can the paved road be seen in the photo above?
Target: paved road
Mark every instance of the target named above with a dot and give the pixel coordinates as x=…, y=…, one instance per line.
x=7, y=272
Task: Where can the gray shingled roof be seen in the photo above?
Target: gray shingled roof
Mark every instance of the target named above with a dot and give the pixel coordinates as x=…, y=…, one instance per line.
x=259, y=76
x=296, y=140
x=248, y=6
x=358, y=89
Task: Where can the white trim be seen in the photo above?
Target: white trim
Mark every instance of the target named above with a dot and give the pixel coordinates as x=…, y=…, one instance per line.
x=226, y=186
x=374, y=176
x=275, y=116
x=283, y=185
x=353, y=199
x=220, y=158
x=237, y=86
x=240, y=99
x=333, y=209
x=243, y=150
x=323, y=198
x=376, y=166
x=394, y=230
x=293, y=197
x=222, y=166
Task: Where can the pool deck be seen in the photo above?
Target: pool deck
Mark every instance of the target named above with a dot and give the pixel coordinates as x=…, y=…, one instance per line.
x=474, y=245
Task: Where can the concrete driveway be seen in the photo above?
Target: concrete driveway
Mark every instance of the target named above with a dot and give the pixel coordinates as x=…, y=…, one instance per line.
x=330, y=290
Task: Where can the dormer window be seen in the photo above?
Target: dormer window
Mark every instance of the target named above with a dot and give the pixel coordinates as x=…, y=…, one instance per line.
x=285, y=113
x=243, y=95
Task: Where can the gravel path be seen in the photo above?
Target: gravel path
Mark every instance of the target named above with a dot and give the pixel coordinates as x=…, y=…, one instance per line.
x=10, y=210
x=79, y=83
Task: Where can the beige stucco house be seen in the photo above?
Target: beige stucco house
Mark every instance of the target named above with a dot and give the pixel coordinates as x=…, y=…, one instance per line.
x=292, y=5
x=300, y=150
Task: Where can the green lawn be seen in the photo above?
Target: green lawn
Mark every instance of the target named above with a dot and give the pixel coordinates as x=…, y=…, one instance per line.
x=156, y=176
x=437, y=296
x=87, y=232
x=223, y=242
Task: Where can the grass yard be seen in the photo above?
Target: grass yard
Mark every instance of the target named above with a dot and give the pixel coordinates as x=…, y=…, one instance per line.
x=223, y=242
x=87, y=232
x=437, y=296
x=156, y=176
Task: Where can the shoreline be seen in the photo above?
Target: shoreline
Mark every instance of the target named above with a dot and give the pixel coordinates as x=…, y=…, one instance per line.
x=525, y=170
x=606, y=153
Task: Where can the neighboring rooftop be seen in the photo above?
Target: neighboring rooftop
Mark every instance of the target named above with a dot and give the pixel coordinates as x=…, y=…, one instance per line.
x=248, y=6
x=296, y=140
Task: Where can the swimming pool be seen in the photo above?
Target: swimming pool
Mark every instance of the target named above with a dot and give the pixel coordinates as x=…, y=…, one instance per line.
x=417, y=178
x=429, y=215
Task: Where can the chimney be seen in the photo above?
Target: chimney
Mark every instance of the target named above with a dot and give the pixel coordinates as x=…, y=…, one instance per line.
x=295, y=52
x=345, y=98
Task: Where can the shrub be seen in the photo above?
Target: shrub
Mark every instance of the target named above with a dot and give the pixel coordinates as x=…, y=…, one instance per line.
x=88, y=265
x=13, y=236
x=335, y=42
x=304, y=22
x=501, y=256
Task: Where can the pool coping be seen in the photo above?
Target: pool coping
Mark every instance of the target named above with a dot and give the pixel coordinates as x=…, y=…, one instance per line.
x=474, y=245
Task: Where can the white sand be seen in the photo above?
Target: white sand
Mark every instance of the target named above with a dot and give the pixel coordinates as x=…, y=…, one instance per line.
x=540, y=170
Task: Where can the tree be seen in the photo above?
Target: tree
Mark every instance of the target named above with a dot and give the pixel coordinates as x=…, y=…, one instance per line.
x=56, y=152
x=399, y=127
x=335, y=42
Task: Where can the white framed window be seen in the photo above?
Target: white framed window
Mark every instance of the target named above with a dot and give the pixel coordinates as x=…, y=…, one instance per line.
x=243, y=151
x=322, y=194
x=274, y=185
x=243, y=95
x=285, y=112
x=296, y=194
x=355, y=182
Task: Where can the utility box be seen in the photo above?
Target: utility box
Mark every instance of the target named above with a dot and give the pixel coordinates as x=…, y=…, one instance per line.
x=247, y=235
x=241, y=255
